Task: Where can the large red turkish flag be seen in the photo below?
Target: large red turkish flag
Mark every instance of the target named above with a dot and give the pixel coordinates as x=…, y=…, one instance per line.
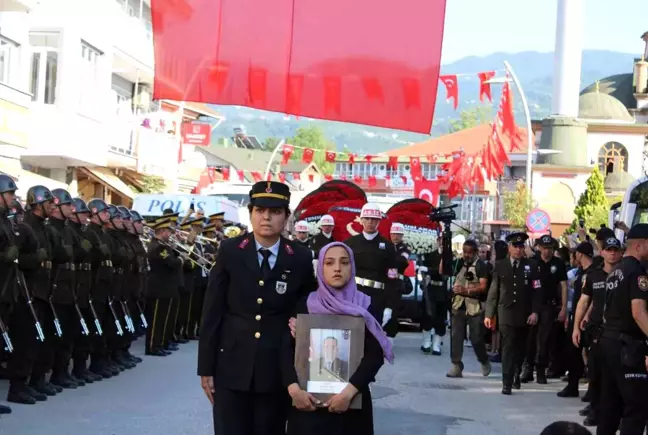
x=428, y=190
x=363, y=61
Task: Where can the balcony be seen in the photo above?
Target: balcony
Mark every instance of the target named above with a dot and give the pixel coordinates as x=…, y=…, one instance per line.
x=17, y=5
x=133, y=41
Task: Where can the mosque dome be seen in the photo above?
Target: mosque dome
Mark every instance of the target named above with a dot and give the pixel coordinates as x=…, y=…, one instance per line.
x=601, y=106
x=618, y=86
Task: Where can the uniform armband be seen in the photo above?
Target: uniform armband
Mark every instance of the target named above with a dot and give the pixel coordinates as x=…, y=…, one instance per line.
x=392, y=273
x=536, y=283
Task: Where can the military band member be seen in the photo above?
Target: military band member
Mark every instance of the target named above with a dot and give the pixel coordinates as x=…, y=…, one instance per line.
x=435, y=302
x=515, y=297
x=186, y=290
x=377, y=267
x=218, y=219
x=77, y=224
x=253, y=290
x=101, y=288
x=41, y=206
x=325, y=236
x=162, y=285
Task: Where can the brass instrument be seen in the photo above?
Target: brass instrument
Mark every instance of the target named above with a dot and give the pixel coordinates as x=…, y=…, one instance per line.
x=203, y=239
x=232, y=231
x=182, y=249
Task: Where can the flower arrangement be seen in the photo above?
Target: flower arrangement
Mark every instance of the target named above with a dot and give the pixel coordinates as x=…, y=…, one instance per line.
x=313, y=228
x=347, y=218
x=419, y=240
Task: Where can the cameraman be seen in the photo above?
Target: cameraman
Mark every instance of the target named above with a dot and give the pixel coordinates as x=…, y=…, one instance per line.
x=471, y=280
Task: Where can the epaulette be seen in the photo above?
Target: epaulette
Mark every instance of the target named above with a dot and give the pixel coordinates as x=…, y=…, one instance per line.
x=244, y=243
x=289, y=250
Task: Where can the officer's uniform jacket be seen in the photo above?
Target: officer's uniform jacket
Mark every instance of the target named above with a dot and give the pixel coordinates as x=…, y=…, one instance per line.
x=61, y=240
x=245, y=316
x=37, y=274
x=7, y=265
x=402, y=258
x=136, y=279
x=376, y=263
x=101, y=263
x=83, y=263
x=29, y=257
x=119, y=253
x=318, y=242
x=514, y=295
x=163, y=279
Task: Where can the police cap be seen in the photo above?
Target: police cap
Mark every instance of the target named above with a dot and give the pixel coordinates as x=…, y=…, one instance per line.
x=639, y=231
x=80, y=205
x=611, y=243
x=7, y=184
x=604, y=234
x=546, y=241
x=585, y=248
x=517, y=238
x=270, y=194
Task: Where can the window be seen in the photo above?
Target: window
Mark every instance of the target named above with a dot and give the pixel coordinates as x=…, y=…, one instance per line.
x=89, y=72
x=612, y=157
x=8, y=57
x=44, y=66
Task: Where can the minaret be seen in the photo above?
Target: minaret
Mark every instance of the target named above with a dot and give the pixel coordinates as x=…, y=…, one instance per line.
x=562, y=131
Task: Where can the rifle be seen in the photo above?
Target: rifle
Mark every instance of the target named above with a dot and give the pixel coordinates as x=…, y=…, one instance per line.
x=142, y=316
x=23, y=283
x=120, y=331
x=57, y=322
x=127, y=317
x=84, y=326
x=5, y=334
x=96, y=319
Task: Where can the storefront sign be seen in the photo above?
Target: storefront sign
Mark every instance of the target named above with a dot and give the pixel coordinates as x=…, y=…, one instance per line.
x=154, y=205
x=14, y=124
x=196, y=133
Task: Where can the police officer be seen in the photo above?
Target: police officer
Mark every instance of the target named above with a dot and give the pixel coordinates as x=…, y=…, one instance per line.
x=377, y=267
x=253, y=290
x=624, y=346
x=468, y=290
x=553, y=278
x=8, y=255
x=38, y=277
x=100, y=290
x=515, y=297
x=63, y=298
x=588, y=320
x=434, y=303
x=325, y=236
x=162, y=285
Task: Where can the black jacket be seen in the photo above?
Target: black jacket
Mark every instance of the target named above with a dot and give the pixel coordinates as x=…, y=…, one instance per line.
x=36, y=273
x=62, y=278
x=7, y=263
x=82, y=260
x=245, y=317
x=165, y=271
x=100, y=257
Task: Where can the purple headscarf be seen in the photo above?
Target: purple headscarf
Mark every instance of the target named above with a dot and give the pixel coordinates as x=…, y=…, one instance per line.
x=346, y=301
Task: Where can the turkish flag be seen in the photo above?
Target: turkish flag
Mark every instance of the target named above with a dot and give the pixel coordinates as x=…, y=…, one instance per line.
x=484, y=86
x=428, y=190
x=307, y=157
x=286, y=152
x=452, y=88
x=330, y=156
x=272, y=55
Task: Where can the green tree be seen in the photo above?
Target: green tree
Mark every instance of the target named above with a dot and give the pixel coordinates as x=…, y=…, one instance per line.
x=592, y=206
x=271, y=143
x=314, y=138
x=517, y=205
x=472, y=117
x=152, y=184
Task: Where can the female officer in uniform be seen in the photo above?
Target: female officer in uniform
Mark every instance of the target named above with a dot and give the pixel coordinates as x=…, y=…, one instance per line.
x=253, y=290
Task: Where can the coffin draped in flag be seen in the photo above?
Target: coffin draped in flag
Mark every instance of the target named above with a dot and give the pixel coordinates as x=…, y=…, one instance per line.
x=361, y=61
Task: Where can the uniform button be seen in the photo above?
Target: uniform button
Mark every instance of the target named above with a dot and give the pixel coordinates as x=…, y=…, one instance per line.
x=258, y=317
x=514, y=301
x=514, y=293
x=261, y=283
x=257, y=335
x=259, y=301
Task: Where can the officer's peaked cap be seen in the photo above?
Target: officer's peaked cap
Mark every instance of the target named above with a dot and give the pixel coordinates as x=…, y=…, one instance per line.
x=517, y=238
x=270, y=194
x=7, y=184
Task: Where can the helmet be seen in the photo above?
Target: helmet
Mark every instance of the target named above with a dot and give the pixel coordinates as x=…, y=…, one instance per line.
x=114, y=213
x=97, y=205
x=80, y=205
x=135, y=216
x=124, y=213
x=38, y=195
x=62, y=196
x=7, y=184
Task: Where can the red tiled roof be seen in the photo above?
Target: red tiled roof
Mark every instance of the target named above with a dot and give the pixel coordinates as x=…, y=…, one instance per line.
x=471, y=140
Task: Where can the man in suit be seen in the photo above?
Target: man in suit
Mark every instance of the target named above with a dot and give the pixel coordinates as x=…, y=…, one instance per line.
x=331, y=367
x=252, y=292
x=515, y=297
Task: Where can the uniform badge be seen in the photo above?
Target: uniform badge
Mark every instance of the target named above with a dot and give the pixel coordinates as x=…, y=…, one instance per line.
x=553, y=269
x=536, y=283
x=244, y=243
x=164, y=253
x=284, y=276
x=392, y=273
x=381, y=245
x=643, y=283
x=289, y=250
x=281, y=287
x=527, y=267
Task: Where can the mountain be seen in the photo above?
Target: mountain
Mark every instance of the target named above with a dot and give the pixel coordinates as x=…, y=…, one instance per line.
x=533, y=69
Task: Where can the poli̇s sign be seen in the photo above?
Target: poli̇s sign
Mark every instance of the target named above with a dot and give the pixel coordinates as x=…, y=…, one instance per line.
x=154, y=205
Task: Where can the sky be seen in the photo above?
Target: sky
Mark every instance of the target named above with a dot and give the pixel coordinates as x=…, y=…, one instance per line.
x=482, y=27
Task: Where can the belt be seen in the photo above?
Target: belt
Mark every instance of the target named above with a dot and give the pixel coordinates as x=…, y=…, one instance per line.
x=84, y=266
x=46, y=264
x=437, y=283
x=106, y=263
x=68, y=266
x=369, y=283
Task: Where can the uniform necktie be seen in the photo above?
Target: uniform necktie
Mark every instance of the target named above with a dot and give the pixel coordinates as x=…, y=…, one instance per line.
x=265, y=264
x=515, y=265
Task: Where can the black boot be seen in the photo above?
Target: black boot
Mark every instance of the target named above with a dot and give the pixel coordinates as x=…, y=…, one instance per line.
x=19, y=393
x=38, y=383
x=541, y=372
x=77, y=380
x=40, y=397
x=5, y=409
x=62, y=380
x=99, y=369
x=527, y=373
x=506, y=390
x=517, y=382
x=568, y=391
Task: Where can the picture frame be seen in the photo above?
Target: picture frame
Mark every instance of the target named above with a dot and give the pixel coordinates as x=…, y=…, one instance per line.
x=328, y=351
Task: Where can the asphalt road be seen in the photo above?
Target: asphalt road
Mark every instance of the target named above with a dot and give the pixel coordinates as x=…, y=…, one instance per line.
x=163, y=396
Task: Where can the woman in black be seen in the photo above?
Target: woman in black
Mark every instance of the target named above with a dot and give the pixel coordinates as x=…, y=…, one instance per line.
x=337, y=295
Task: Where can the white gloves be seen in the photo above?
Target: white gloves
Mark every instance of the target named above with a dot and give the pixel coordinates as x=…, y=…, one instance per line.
x=406, y=255
x=387, y=314
x=422, y=268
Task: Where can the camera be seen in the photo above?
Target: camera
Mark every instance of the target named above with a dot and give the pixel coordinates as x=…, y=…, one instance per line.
x=470, y=276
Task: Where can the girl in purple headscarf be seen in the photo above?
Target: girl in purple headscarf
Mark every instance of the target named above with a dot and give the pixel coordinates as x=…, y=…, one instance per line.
x=337, y=295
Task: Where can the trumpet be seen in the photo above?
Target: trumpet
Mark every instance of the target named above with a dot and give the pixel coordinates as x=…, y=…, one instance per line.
x=203, y=239
x=186, y=251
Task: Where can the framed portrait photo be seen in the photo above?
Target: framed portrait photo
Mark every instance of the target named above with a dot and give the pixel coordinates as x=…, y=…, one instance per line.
x=328, y=351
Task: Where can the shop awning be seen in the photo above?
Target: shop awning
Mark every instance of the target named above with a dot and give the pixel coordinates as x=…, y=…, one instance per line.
x=105, y=176
x=27, y=179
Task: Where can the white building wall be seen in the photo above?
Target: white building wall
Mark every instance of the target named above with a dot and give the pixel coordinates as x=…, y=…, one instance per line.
x=634, y=144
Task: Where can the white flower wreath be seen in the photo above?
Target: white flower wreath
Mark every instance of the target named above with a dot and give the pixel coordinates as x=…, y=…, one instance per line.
x=313, y=228
x=420, y=241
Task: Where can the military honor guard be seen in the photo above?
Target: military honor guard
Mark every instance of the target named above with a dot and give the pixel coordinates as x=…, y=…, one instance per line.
x=325, y=236
x=253, y=291
x=301, y=235
x=435, y=302
x=377, y=267
x=515, y=298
